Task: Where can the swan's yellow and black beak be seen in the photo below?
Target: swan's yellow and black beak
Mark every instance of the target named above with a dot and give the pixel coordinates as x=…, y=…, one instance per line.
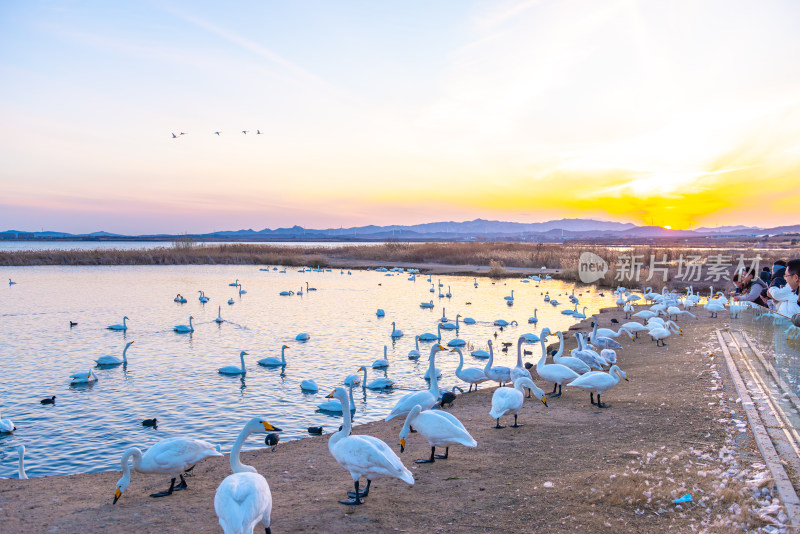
x=402, y=445
x=247, y=353
x=442, y=347
x=330, y=395
x=269, y=427
x=117, y=495
x=544, y=400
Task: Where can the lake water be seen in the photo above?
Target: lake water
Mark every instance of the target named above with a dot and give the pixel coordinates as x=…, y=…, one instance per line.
x=174, y=376
x=15, y=246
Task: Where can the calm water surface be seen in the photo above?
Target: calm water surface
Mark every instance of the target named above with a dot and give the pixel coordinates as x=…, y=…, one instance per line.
x=174, y=376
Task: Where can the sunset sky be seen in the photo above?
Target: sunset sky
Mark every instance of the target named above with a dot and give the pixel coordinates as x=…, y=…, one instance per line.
x=680, y=114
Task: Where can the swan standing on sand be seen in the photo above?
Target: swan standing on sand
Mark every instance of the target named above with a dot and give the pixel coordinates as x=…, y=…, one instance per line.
x=439, y=428
x=396, y=333
x=171, y=456
x=123, y=326
x=6, y=426
x=498, y=373
x=243, y=499
x=232, y=369
x=364, y=456
x=272, y=361
x=603, y=342
x=425, y=398
x=471, y=375
x=556, y=373
x=509, y=400
x=599, y=382
x=111, y=361
x=184, y=329
x=21, y=467
x=576, y=364
x=414, y=354
x=660, y=333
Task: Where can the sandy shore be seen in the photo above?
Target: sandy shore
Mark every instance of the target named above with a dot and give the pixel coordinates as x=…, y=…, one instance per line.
x=571, y=467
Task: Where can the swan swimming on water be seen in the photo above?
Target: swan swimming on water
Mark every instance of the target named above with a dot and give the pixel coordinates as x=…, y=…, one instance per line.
x=123, y=326
x=82, y=378
x=364, y=456
x=378, y=383
x=414, y=354
x=184, y=329
x=6, y=426
x=232, y=369
x=395, y=332
x=171, y=456
x=219, y=319
x=272, y=361
x=244, y=499
x=335, y=405
x=425, y=398
x=109, y=361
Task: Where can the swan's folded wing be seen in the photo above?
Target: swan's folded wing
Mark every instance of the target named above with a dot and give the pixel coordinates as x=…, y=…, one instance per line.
x=450, y=417
x=241, y=501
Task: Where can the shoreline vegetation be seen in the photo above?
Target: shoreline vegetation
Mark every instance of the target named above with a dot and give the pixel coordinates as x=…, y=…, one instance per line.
x=498, y=259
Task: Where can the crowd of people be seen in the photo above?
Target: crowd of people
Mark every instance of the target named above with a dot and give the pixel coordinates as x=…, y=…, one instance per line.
x=776, y=288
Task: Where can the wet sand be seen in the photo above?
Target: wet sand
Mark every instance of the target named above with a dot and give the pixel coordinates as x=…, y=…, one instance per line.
x=571, y=467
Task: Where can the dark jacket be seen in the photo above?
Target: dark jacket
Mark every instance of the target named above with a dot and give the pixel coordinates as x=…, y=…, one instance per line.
x=777, y=279
x=755, y=292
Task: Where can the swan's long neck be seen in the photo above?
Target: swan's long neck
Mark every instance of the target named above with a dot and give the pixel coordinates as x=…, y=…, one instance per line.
x=434, y=389
x=385, y=352
x=124, y=352
x=241, y=357
x=416, y=340
x=439, y=332
x=491, y=358
x=364, y=383
x=137, y=461
x=560, y=345
x=190, y=323
x=352, y=401
x=460, y=361
x=124, y=321
x=22, y=474
x=457, y=318
x=346, y=422
x=534, y=313
x=283, y=355
x=541, y=362
x=236, y=464
x=408, y=422
x=519, y=351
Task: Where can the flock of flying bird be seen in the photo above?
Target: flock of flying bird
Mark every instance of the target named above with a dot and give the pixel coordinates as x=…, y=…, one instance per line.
x=243, y=499
x=176, y=136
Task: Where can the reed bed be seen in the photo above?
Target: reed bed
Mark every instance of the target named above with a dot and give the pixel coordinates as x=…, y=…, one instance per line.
x=497, y=256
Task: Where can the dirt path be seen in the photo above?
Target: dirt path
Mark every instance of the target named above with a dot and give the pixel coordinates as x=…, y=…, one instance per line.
x=571, y=467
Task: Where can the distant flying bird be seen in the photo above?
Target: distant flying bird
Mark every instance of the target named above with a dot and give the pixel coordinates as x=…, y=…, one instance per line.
x=244, y=132
x=258, y=132
x=217, y=133
x=174, y=136
x=183, y=133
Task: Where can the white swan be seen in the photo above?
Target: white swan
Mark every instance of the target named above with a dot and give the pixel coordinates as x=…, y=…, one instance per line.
x=272, y=361
x=469, y=320
x=603, y=342
x=219, y=318
x=378, y=383
x=481, y=354
x=203, y=298
x=451, y=326
x=439, y=428
x=184, y=329
x=426, y=304
x=425, y=398
x=534, y=319
x=511, y=297
x=232, y=369
x=10, y=282
x=599, y=382
x=242, y=291
x=634, y=328
x=580, y=315
x=607, y=332
x=574, y=363
x=556, y=373
x=6, y=426
x=363, y=456
x=714, y=307
x=509, y=400
x=243, y=499
x=645, y=314
x=587, y=353
x=628, y=309
x=353, y=379
x=302, y=337
x=309, y=386
x=21, y=467
x=286, y=293
x=471, y=375
x=427, y=336
x=234, y=284
x=335, y=406
x=82, y=378
x=498, y=373
x=110, y=361
x=123, y=326
x=456, y=342
x=231, y=301
x=519, y=371
x=171, y=456
x=414, y=354
x=660, y=333
x=382, y=363
x=395, y=332
x=609, y=355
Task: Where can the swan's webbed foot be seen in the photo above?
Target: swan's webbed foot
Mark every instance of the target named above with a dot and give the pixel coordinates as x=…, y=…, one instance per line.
x=429, y=460
x=601, y=404
x=182, y=485
x=498, y=425
x=166, y=492
x=443, y=456
x=356, y=496
x=361, y=494
x=515, y=425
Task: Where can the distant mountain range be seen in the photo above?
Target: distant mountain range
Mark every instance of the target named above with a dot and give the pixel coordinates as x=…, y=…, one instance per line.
x=468, y=230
